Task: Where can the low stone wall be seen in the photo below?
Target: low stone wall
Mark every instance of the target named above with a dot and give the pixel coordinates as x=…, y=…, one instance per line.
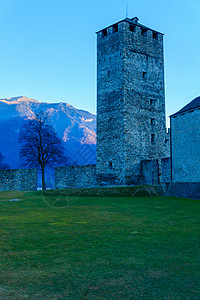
x=75, y=177
x=18, y=180
x=189, y=190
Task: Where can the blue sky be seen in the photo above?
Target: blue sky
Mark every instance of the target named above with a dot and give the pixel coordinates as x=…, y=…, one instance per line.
x=48, y=48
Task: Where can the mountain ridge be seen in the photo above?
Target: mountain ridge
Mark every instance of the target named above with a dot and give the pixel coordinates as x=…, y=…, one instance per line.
x=75, y=127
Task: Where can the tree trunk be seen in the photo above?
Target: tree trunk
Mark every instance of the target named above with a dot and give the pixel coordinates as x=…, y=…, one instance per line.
x=43, y=180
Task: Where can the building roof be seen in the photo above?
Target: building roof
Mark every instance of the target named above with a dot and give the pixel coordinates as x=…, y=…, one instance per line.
x=191, y=105
x=132, y=21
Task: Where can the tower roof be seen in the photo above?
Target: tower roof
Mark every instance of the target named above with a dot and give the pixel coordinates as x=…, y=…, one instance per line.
x=132, y=21
x=191, y=105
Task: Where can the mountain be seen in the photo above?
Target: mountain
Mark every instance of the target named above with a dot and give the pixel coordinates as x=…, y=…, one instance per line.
x=77, y=128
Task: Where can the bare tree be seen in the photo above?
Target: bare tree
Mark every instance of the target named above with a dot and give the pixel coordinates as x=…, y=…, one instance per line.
x=41, y=147
x=3, y=165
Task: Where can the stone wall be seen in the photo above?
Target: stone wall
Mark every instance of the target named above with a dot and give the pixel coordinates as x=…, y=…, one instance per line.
x=18, y=180
x=156, y=171
x=165, y=170
x=185, y=140
x=189, y=190
x=75, y=177
x=150, y=172
x=110, y=96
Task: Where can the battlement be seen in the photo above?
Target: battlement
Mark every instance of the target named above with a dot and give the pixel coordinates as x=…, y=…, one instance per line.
x=133, y=26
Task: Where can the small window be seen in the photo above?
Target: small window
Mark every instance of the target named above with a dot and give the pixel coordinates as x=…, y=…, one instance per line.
x=132, y=28
x=108, y=73
x=153, y=138
x=153, y=102
x=144, y=31
x=111, y=118
x=152, y=121
x=115, y=28
x=104, y=32
x=110, y=164
x=155, y=35
x=144, y=75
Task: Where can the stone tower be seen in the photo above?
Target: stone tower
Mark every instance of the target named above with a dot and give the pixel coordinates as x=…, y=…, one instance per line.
x=130, y=100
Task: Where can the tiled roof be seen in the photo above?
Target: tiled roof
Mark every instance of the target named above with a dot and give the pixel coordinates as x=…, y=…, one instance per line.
x=192, y=105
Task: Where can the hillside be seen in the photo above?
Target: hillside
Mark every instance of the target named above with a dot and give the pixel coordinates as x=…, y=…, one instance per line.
x=77, y=128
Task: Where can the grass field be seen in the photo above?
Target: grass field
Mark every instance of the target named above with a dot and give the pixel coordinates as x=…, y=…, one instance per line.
x=56, y=246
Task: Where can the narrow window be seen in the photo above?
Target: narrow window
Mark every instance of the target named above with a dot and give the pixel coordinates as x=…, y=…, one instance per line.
x=153, y=102
x=104, y=32
x=110, y=164
x=152, y=138
x=152, y=121
x=155, y=36
x=132, y=28
x=144, y=75
x=115, y=28
x=110, y=119
x=144, y=31
x=108, y=73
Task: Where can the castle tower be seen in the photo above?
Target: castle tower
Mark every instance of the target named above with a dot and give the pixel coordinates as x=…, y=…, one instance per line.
x=130, y=100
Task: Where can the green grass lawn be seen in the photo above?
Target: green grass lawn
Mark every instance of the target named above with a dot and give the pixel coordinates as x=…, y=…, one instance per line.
x=55, y=246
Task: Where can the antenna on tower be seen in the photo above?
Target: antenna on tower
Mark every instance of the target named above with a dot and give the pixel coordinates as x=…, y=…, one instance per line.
x=126, y=9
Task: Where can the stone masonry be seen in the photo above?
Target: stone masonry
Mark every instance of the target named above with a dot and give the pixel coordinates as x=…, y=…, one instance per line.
x=18, y=180
x=130, y=100
x=75, y=177
x=185, y=149
x=156, y=171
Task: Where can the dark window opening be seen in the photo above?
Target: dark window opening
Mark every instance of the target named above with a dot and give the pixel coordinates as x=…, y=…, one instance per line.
x=153, y=102
x=115, y=28
x=152, y=121
x=153, y=138
x=110, y=164
x=108, y=73
x=144, y=75
x=155, y=36
x=104, y=32
x=111, y=118
x=132, y=28
x=144, y=31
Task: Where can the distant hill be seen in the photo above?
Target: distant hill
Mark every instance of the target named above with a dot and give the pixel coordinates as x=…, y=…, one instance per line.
x=77, y=128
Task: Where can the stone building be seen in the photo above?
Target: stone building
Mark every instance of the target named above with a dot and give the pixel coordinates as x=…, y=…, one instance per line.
x=131, y=124
x=185, y=143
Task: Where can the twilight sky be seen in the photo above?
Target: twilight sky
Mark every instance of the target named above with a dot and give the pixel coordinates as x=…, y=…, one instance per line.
x=48, y=47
